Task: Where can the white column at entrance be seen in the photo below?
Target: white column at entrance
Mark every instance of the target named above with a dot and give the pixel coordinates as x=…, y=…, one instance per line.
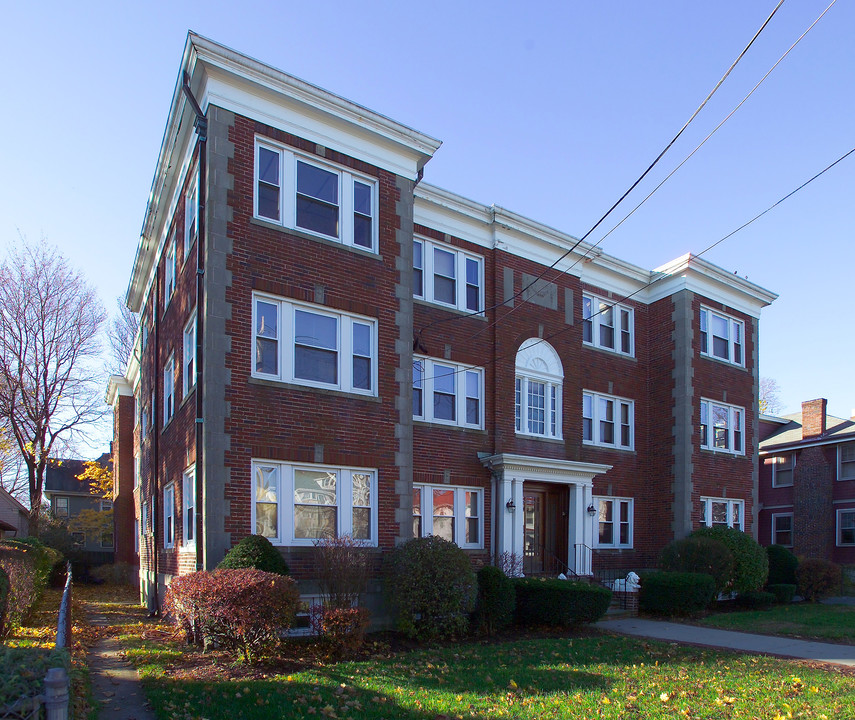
x=518, y=544
x=583, y=527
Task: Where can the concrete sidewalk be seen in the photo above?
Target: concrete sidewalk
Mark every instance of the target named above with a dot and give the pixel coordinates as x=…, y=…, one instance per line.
x=731, y=640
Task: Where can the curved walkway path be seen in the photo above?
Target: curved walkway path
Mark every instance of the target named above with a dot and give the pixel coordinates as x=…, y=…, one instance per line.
x=732, y=640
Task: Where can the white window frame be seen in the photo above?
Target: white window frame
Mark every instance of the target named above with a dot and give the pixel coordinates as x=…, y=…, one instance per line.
x=169, y=398
x=778, y=463
x=144, y=519
x=846, y=464
x=462, y=260
x=616, y=522
x=137, y=475
x=595, y=311
x=137, y=536
x=733, y=412
x=426, y=370
x=283, y=477
x=850, y=525
x=735, y=338
x=775, y=518
x=706, y=511
x=597, y=418
x=169, y=272
x=286, y=343
x=188, y=356
x=106, y=505
x=460, y=508
x=144, y=424
x=169, y=516
x=191, y=211
x=287, y=188
x=66, y=507
x=188, y=504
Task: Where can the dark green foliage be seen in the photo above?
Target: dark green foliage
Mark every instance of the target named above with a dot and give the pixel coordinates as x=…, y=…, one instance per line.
x=431, y=587
x=700, y=555
x=755, y=600
x=255, y=551
x=496, y=600
x=782, y=565
x=4, y=599
x=675, y=593
x=559, y=602
x=751, y=565
x=783, y=592
x=27, y=564
x=817, y=578
x=23, y=670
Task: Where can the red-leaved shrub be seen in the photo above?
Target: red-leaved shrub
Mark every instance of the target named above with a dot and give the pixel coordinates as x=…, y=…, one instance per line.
x=243, y=611
x=343, y=629
x=817, y=578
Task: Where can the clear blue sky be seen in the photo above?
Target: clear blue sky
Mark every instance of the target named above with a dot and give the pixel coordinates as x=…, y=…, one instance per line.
x=548, y=109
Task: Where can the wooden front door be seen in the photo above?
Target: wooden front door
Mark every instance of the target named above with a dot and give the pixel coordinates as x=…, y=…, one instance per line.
x=545, y=528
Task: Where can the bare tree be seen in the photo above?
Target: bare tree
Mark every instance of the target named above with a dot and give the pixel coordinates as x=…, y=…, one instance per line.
x=121, y=333
x=50, y=330
x=770, y=396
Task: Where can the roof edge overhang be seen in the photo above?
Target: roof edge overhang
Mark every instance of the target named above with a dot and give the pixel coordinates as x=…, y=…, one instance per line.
x=117, y=385
x=571, y=471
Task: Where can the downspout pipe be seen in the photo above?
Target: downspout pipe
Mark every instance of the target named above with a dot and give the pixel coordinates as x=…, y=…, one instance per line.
x=201, y=125
x=156, y=427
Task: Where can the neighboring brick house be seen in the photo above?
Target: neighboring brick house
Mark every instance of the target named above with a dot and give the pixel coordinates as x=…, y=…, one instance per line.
x=68, y=496
x=14, y=517
x=807, y=483
x=330, y=345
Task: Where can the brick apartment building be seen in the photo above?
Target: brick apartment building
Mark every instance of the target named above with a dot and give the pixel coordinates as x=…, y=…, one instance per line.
x=331, y=345
x=807, y=483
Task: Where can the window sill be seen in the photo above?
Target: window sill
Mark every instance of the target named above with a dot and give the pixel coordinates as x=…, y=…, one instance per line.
x=270, y=225
x=436, y=425
x=284, y=385
x=723, y=453
x=613, y=548
x=542, y=438
x=448, y=308
x=600, y=446
x=721, y=361
x=608, y=351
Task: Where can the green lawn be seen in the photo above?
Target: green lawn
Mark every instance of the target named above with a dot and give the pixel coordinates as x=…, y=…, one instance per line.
x=834, y=623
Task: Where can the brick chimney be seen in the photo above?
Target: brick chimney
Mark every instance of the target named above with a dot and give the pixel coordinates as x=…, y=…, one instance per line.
x=813, y=418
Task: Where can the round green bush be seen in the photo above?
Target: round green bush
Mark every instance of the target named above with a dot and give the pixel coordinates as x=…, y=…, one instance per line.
x=255, y=551
x=700, y=555
x=818, y=578
x=783, y=592
x=756, y=600
x=751, y=565
x=431, y=587
x=675, y=593
x=494, y=609
x=782, y=565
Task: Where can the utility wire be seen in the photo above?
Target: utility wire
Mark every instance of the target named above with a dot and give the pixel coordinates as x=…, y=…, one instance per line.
x=628, y=191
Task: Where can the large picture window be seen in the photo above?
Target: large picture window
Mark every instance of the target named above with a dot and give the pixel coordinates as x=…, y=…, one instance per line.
x=723, y=512
x=537, y=390
x=607, y=325
x=320, y=198
x=454, y=513
x=311, y=345
x=615, y=522
x=608, y=421
x=448, y=393
x=444, y=275
x=722, y=427
x=299, y=504
x=722, y=337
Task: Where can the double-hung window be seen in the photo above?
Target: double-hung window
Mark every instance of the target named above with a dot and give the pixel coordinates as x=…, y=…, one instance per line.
x=299, y=504
x=188, y=366
x=169, y=390
x=607, y=325
x=169, y=272
x=60, y=507
x=191, y=212
x=106, y=505
x=846, y=461
x=537, y=390
x=723, y=512
x=188, y=506
x=846, y=527
x=136, y=470
x=615, y=522
x=722, y=337
x=311, y=345
x=305, y=193
x=454, y=513
x=169, y=516
x=608, y=421
x=448, y=393
x=782, y=529
x=782, y=469
x=722, y=427
x=444, y=275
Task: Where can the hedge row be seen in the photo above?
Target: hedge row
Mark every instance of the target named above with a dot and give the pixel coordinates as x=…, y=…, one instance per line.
x=541, y=601
x=675, y=593
x=27, y=564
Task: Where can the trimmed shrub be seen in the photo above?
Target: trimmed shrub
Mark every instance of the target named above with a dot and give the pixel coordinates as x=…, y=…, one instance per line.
x=342, y=630
x=543, y=601
x=675, y=593
x=342, y=570
x=755, y=600
x=43, y=559
x=256, y=552
x=783, y=592
x=782, y=565
x=431, y=587
x=751, y=565
x=497, y=598
x=817, y=578
x=242, y=611
x=700, y=555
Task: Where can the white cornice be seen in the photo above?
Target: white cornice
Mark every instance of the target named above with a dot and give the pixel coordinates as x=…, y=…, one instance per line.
x=117, y=386
x=546, y=468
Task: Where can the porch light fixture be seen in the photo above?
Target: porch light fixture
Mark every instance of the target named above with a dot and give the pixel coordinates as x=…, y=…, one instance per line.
x=592, y=510
x=511, y=505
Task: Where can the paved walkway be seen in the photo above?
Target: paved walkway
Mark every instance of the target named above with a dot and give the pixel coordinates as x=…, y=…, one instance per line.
x=115, y=681
x=729, y=639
